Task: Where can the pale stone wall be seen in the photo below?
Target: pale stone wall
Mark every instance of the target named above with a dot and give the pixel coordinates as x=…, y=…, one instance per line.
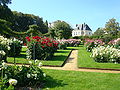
x=81, y=33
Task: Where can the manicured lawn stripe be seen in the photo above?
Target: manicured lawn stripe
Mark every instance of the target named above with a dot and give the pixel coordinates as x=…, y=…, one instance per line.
x=58, y=58
x=84, y=60
x=73, y=80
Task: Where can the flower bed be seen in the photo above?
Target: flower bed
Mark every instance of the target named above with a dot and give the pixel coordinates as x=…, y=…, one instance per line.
x=64, y=43
x=115, y=43
x=91, y=43
x=41, y=48
x=106, y=54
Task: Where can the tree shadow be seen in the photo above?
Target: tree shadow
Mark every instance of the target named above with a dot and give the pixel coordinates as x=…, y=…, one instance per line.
x=52, y=83
x=62, y=51
x=58, y=58
x=21, y=56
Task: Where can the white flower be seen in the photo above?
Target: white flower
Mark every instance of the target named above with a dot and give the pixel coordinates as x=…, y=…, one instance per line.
x=8, y=48
x=36, y=60
x=40, y=64
x=28, y=75
x=4, y=65
x=12, y=81
x=2, y=52
x=35, y=75
x=44, y=74
x=14, y=39
x=30, y=62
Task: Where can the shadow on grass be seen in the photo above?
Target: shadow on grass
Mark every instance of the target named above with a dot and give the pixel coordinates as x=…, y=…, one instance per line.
x=52, y=83
x=62, y=51
x=58, y=58
x=21, y=56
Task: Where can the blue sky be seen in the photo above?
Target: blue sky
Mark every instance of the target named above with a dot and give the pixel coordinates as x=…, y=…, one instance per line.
x=93, y=12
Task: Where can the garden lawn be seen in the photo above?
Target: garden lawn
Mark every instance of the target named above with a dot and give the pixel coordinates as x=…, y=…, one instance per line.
x=75, y=80
x=57, y=60
x=84, y=60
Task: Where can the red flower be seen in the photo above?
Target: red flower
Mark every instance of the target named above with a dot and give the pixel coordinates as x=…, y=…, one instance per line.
x=50, y=45
x=43, y=46
x=28, y=39
x=25, y=44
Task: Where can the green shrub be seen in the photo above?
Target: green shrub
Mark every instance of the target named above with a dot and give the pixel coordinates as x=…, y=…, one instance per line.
x=25, y=76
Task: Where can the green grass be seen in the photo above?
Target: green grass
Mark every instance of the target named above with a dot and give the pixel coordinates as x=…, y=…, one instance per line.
x=84, y=60
x=58, y=58
x=73, y=80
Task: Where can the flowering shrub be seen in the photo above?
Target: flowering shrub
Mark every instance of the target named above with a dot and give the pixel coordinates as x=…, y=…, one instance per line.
x=22, y=76
x=106, y=54
x=91, y=43
x=69, y=42
x=4, y=46
x=62, y=44
x=15, y=47
x=41, y=48
x=73, y=42
x=115, y=43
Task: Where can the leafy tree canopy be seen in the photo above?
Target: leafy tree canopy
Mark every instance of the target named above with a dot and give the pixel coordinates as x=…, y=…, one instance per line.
x=112, y=27
x=99, y=32
x=22, y=22
x=65, y=27
x=6, y=13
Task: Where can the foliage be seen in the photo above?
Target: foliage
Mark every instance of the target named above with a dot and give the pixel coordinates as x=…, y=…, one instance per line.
x=99, y=32
x=23, y=21
x=106, y=54
x=112, y=27
x=4, y=28
x=51, y=33
x=6, y=13
x=65, y=27
x=41, y=48
x=25, y=76
x=15, y=47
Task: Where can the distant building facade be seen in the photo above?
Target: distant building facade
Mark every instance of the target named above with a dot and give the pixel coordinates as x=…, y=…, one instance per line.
x=82, y=30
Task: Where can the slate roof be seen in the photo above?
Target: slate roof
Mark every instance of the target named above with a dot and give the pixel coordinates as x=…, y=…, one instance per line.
x=83, y=27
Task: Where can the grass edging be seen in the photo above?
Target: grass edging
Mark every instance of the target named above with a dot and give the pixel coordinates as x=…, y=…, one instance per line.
x=99, y=68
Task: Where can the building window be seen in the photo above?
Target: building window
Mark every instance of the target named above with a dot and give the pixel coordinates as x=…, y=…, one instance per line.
x=82, y=33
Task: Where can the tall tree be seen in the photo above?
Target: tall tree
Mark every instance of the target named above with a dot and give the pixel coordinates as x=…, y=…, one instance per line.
x=6, y=13
x=22, y=22
x=65, y=27
x=99, y=32
x=112, y=27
